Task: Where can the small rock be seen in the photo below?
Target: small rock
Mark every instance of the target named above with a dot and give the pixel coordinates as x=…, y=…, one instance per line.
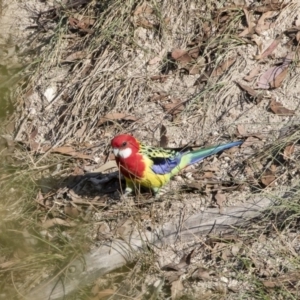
x=224, y=279
x=189, y=175
x=50, y=94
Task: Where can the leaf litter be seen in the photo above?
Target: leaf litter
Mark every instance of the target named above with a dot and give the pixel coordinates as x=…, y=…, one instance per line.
x=278, y=109
x=274, y=76
x=122, y=98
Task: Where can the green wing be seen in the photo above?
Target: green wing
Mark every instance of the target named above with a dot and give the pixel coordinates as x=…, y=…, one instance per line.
x=163, y=161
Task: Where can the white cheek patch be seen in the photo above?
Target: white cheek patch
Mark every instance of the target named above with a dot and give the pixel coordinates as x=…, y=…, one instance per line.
x=125, y=153
x=116, y=151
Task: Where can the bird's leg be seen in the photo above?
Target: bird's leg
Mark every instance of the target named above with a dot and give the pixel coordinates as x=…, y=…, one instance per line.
x=128, y=191
x=156, y=192
x=129, y=188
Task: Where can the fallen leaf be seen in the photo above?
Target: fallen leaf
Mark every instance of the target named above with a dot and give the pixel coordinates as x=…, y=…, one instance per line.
x=161, y=78
x=250, y=23
x=241, y=130
x=286, y=279
x=170, y=267
x=174, y=108
x=223, y=67
x=77, y=171
x=79, y=133
x=208, y=174
x=220, y=199
x=143, y=22
x=262, y=25
x=104, y=228
x=105, y=293
x=202, y=274
x=207, y=28
x=244, y=33
x=163, y=137
x=258, y=96
x=116, y=116
x=181, y=56
x=87, y=21
x=288, y=151
x=107, y=166
x=154, y=60
x=40, y=198
x=159, y=96
x=102, y=294
x=293, y=34
x=143, y=9
x=258, y=42
x=186, y=259
x=195, y=66
x=34, y=146
x=273, y=77
x=195, y=185
x=269, y=75
x=204, y=76
x=75, y=56
x=68, y=150
x=239, y=3
x=251, y=140
x=227, y=237
x=173, y=276
x=83, y=25
x=125, y=228
x=194, y=52
x=230, y=151
x=279, y=79
x=268, y=177
x=248, y=89
x=297, y=21
x=247, y=15
x=270, y=49
x=253, y=73
x=269, y=5
x=194, y=69
x=71, y=211
x=298, y=36
x=271, y=284
x=226, y=254
x=211, y=168
x=176, y=289
x=34, y=133
x=8, y=264
x=95, y=290
x=182, y=265
x=235, y=249
x=167, y=20
x=222, y=18
x=273, y=168
x=278, y=109
x=57, y=221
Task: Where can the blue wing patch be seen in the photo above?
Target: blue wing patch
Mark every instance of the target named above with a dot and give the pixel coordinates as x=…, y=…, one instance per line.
x=164, y=165
x=164, y=160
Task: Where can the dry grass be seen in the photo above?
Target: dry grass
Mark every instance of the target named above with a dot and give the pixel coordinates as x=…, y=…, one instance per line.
x=106, y=64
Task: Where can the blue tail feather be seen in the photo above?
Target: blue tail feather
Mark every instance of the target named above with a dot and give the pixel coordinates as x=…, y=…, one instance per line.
x=200, y=154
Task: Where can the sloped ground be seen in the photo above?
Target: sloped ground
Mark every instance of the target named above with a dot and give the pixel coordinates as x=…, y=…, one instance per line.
x=171, y=73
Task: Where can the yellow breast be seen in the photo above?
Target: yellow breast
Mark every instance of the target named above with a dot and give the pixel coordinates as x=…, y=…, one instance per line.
x=149, y=178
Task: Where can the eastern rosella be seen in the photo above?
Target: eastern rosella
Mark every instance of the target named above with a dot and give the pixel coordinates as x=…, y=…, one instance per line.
x=153, y=167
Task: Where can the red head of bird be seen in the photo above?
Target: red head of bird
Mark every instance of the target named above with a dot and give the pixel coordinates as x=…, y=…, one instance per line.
x=124, y=146
x=126, y=150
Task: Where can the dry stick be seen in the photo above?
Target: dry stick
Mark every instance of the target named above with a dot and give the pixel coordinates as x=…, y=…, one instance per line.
x=117, y=253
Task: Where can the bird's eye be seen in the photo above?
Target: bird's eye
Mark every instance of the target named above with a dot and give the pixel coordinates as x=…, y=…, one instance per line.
x=124, y=144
